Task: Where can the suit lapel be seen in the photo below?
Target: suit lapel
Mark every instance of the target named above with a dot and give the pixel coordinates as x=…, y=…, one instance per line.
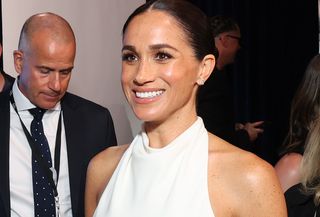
x=4, y=152
x=73, y=141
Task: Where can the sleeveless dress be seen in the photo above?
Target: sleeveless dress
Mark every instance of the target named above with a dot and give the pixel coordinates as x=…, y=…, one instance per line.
x=166, y=182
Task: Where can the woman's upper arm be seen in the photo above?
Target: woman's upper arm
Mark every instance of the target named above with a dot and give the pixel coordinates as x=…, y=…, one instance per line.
x=91, y=190
x=99, y=172
x=288, y=170
x=265, y=194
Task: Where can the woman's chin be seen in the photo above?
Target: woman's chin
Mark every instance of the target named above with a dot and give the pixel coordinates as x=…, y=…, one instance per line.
x=147, y=117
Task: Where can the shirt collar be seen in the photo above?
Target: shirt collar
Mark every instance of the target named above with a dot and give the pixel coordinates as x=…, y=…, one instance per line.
x=23, y=103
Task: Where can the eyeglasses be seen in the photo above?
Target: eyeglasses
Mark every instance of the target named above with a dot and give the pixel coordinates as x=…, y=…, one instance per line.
x=237, y=38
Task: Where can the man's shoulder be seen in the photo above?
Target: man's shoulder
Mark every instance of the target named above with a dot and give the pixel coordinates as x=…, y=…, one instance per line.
x=78, y=102
x=4, y=97
x=9, y=80
x=8, y=77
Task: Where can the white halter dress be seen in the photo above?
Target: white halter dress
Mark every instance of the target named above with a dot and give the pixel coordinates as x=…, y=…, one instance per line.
x=167, y=182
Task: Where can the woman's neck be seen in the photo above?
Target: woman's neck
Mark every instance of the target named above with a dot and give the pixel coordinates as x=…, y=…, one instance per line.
x=160, y=134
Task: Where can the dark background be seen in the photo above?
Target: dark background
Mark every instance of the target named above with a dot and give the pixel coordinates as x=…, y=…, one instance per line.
x=279, y=39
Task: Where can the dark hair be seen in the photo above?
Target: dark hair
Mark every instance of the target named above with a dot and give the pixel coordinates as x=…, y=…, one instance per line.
x=305, y=107
x=192, y=20
x=220, y=24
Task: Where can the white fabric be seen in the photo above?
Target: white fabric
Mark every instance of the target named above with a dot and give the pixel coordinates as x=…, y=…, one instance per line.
x=20, y=169
x=166, y=182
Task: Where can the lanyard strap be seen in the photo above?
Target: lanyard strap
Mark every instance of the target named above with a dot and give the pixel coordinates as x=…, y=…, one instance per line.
x=316, y=212
x=51, y=173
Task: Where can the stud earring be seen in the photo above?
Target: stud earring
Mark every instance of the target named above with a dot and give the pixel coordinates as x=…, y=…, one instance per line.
x=200, y=82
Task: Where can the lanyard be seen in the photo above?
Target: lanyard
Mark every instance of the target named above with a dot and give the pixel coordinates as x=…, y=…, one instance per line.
x=53, y=172
x=316, y=212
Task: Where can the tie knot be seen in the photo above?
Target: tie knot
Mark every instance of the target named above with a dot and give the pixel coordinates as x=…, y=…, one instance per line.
x=37, y=112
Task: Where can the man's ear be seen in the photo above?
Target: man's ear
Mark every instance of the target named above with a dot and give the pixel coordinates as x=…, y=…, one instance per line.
x=18, y=60
x=206, y=68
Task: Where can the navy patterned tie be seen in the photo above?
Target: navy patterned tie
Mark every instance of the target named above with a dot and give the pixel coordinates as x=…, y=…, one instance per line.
x=44, y=203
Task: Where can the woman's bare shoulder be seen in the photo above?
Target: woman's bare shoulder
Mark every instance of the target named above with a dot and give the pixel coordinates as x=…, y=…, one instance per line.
x=111, y=155
x=289, y=162
x=102, y=166
x=288, y=170
x=233, y=157
x=243, y=176
x=105, y=162
x=100, y=170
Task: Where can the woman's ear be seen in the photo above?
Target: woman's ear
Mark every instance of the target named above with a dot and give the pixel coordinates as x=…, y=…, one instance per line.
x=18, y=60
x=206, y=68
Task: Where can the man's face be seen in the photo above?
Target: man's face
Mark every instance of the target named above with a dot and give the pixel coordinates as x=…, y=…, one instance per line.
x=233, y=38
x=44, y=70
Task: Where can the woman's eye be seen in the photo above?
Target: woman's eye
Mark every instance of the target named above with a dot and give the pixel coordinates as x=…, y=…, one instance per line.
x=129, y=57
x=163, y=56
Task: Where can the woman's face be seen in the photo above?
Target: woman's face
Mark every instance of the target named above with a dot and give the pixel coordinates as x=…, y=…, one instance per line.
x=159, y=68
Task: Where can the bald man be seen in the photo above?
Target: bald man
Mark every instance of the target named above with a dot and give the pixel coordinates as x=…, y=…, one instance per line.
x=56, y=147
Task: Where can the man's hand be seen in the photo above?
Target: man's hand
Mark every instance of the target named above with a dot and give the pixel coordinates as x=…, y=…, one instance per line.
x=253, y=129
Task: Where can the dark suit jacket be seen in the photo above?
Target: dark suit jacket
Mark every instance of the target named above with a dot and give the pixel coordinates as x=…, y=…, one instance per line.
x=300, y=204
x=216, y=107
x=89, y=129
x=8, y=81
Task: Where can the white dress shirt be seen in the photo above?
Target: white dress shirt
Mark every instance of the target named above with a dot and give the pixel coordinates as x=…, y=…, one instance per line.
x=20, y=166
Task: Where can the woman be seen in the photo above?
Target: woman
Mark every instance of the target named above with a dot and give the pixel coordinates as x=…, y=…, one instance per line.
x=303, y=199
x=303, y=151
x=304, y=111
x=174, y=167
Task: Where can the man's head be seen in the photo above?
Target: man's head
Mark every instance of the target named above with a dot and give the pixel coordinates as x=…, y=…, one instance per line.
x=44, y=59
x=226, y=33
